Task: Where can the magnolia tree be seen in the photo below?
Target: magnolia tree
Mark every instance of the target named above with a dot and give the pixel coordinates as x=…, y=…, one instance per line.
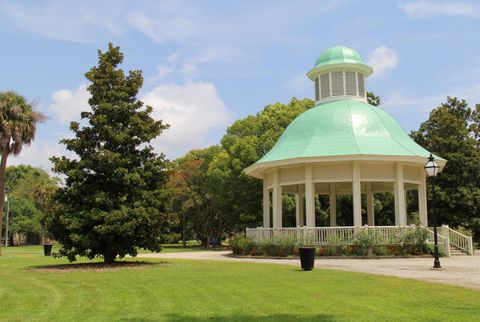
x=113, y=200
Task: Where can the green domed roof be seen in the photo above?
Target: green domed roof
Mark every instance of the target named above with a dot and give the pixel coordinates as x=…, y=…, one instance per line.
x=339, y=57
x=341, y=128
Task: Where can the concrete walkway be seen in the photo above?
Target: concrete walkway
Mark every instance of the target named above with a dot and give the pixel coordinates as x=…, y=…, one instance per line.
x=460, y=270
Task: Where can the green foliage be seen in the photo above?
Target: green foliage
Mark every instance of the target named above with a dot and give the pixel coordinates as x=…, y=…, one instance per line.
x=453, y=132
x=24, y=217
x=191, y=185
x=380, y=250
x=373, y=99
x=331, y=250
x=277, y=247
x=348, y=250
x=113, y=200
x=363, y=243
x=18, y=125
x=28, y=189
x=241, y=245
x=414, y=241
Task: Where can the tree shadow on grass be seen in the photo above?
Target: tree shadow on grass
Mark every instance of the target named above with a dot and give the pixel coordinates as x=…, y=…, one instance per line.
x=96, y=266
x=240, y=317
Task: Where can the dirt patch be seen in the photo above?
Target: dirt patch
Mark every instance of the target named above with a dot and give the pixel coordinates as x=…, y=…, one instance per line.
x=97, y=267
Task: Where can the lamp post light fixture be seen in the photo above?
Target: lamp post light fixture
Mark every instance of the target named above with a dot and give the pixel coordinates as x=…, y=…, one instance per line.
x=431, y=167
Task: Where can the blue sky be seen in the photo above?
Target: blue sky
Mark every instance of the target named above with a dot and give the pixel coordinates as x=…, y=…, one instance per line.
x=207, y=63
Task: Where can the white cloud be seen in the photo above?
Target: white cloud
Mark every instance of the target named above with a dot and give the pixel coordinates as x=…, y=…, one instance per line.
x=56, y=19
x=423, y=9
x=67, y=104
x=382, y=60
x=163, y=72
x=38, y=154
x=400, y=100
x=191, y=109
x=188, y=70
x=176, y=25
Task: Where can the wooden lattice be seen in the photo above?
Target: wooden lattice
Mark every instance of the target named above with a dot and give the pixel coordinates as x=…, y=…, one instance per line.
x=377, y=172
x=296, y=174
x=332, y=172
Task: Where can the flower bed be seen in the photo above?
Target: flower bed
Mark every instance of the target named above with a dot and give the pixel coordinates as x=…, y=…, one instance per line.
x=411, y=243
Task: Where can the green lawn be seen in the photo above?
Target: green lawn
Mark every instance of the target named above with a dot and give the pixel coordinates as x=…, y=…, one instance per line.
x=177, y=290
x=192, y=246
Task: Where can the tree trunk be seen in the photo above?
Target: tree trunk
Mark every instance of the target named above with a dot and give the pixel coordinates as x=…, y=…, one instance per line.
x=3, y=165
x=184, y=230
x=109, y=257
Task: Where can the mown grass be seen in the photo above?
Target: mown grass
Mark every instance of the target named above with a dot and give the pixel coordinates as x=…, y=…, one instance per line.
x=181, y=290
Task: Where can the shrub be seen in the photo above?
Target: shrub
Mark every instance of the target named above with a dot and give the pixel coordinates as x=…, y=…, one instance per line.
x=241, y=245
x=321, y=251
x=281, y=247
x=380, y=250
x=331, y=250
x=363, y=243
x=394, y=250
x=414, y=241
x=348, y=250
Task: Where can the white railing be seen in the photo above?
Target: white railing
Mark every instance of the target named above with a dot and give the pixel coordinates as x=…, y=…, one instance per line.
x=346, y=235
x=329, y=235
x=458, y=240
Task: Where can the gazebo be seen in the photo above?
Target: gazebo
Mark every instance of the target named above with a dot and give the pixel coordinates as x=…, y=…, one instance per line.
x=343, y=145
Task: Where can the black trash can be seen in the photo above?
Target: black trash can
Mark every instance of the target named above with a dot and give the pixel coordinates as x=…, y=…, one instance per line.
x=307, y=257
x=47, y=249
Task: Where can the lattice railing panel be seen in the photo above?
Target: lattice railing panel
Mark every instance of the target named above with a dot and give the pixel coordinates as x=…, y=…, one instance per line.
x=377, y=171
x=292, y=174
x=343, y=188
x=332, y=171
x=322, y=188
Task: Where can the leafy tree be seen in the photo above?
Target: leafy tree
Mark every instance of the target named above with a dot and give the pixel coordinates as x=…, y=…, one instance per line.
x=452, y=132
x=113, y=200
x=24, y=218
x=27, y=185
x=246, y=141
x=18, y=125
x=195, y=197
x=373, y=99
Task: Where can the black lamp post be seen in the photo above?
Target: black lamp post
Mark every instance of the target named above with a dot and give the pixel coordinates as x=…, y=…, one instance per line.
x=431, y=167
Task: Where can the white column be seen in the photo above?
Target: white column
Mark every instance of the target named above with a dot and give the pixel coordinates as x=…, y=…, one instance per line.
x=422, y=199
x=277, y=200
x=399, y=192
x=266, y=203
x=299, y=209
x=333, y=205
x=370, y=209
x=357, y=195
x=309, y=196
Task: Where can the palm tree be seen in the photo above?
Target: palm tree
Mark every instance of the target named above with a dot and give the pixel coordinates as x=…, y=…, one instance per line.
x=18, y=124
